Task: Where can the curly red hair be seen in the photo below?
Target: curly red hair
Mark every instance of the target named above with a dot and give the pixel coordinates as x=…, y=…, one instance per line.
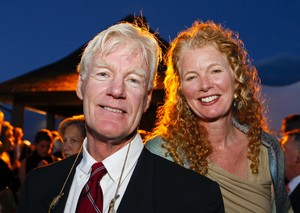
x=186, y=138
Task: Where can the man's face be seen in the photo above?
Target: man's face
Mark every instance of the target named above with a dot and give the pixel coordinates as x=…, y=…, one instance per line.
x=292, y=157
x=114, y=93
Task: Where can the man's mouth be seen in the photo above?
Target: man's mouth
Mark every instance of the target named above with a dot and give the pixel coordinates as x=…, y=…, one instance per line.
x=112, y=109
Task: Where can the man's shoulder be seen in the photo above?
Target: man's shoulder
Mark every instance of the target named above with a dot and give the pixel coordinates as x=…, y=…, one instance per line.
x=294, y=198
x=58, y=168
x=166, y=168
x=184, y=187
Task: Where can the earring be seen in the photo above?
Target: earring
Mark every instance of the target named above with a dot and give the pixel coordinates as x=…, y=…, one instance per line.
x=189, y=112
x=234, y=103
x=235, y=96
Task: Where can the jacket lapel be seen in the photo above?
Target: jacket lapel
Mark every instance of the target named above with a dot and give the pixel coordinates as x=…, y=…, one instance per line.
x=62, y=201
x=138, y=196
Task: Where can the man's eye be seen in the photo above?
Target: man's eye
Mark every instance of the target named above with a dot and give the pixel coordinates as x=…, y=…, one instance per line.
x=216, y=71
x=135, y=81
x=101, y=75
x=190, y=77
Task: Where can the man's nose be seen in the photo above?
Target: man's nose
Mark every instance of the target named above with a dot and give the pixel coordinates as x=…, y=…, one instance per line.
x=117, y=88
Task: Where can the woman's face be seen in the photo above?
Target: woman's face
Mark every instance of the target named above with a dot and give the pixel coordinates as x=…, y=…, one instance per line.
x=8, y=143
x=44, y=148
x=207, y=82
x=72, y=140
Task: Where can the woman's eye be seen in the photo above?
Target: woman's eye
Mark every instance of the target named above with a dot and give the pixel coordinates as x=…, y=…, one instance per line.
x=73, y=141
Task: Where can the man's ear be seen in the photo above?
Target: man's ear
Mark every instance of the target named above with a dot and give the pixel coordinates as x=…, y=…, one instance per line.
x=298, y=157
x=79, y=88
x=148, y=101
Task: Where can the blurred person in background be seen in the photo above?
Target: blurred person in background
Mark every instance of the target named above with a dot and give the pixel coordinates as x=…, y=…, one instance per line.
x=57, y=144
x=58, y=147
x=8, y=154
x=73, y=132
x=291, y=145
x=23, y=148
x=41, y=156
x=1, y=120
x=7, y=178
x=291, y=122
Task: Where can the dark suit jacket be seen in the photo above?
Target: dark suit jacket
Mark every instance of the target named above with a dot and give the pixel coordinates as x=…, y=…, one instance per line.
x=295, y=199
x=157, y=185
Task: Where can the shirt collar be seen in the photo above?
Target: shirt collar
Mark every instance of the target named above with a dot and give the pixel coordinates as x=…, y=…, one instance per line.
x=114, y=163
x=294, y=183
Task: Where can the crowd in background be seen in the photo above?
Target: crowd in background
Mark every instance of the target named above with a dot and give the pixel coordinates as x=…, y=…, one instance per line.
x=19, y=156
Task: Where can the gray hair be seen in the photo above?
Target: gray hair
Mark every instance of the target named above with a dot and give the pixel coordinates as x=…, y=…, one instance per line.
x=109, y=39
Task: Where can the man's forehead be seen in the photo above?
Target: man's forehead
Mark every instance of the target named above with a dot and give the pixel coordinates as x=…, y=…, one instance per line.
x=132, y=53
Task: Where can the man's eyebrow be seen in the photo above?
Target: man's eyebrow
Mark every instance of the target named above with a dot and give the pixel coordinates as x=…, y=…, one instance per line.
x=140, y=72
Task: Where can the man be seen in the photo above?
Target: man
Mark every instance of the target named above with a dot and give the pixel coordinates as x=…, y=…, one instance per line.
x=117, y=73
x=291, y=146
x=290, y=122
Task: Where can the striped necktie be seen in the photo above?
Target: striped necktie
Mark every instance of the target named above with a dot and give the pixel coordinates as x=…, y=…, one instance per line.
x=91, y=197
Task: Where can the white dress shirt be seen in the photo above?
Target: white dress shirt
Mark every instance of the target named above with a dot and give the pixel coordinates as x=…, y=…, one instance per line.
x=113, y=164
x=293, y=184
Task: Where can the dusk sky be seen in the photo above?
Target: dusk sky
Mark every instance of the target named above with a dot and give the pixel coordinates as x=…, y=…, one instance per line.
x=37, y=33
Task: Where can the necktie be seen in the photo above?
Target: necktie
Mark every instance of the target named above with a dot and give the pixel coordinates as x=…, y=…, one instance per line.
x=91, y=197
x=288, y=189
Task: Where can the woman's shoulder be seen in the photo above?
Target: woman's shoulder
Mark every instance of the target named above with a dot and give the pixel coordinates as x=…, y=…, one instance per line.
x=155, y=145
x=273, y=145
x=155, y=141
x=270, y=140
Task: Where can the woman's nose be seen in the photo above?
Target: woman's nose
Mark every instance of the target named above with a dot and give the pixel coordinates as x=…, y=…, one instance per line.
x=205, y=83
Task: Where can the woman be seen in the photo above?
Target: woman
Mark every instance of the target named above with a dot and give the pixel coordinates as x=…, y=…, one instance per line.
x=6, y=145
x=41, y=156
x=72, y=131
x=22, y=148
x=212, y=120
x=9, y=182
